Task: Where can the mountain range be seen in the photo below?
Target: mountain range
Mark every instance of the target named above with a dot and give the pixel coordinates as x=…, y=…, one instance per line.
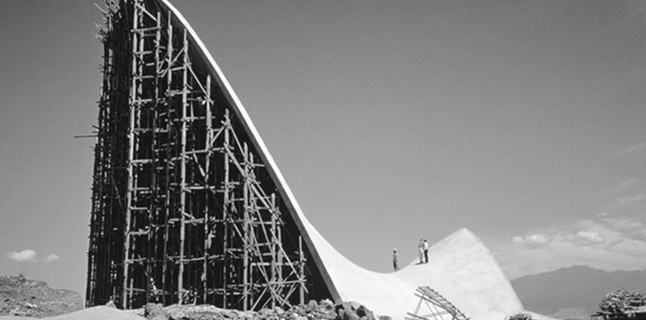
x=574, y=292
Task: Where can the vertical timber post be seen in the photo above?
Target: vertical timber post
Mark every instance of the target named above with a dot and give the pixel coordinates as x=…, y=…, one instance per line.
x=274, y=248
x=207, y=169
x=153, y=205
x=182, y=199
x=246, y=233
x=301, y=276
x=226, y=126
x=125, y=297
x=168, y=282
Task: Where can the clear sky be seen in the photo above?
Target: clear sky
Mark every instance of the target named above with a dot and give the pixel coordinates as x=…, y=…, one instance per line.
x=524, y=121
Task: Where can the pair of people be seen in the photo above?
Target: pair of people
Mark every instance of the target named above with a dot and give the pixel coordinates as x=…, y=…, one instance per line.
x=423, y=254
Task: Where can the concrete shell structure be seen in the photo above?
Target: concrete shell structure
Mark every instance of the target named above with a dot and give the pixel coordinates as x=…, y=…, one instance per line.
x=461, y=268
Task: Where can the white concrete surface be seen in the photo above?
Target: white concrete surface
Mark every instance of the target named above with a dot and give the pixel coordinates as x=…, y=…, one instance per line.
x=460, y=268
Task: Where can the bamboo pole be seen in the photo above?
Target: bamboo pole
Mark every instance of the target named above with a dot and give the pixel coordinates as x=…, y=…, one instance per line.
x=167, y=283
x=182, y=196
x=207, y=169
x=130, y=163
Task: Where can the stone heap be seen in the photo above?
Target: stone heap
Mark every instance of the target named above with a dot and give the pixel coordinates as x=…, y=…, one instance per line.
x=313, y=310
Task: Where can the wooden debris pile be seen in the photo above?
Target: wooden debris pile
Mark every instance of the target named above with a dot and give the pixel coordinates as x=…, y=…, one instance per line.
x=622, y=305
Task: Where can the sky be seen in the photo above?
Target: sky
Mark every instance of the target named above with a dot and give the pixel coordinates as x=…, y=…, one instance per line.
x=523, y=121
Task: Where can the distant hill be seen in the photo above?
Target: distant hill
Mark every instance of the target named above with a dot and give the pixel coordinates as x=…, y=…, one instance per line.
x=575, y=292
x=24, y=297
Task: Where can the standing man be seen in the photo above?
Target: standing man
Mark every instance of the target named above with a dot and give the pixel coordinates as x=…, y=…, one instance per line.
x=395, y=260
x=421, y=251
x=425, y=246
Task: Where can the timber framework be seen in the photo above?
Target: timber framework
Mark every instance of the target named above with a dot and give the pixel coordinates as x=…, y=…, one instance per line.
x=185, y=208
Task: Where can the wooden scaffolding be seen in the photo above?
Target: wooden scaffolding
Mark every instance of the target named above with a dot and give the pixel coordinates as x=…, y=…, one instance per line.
x=437, y=306
x=183, y=208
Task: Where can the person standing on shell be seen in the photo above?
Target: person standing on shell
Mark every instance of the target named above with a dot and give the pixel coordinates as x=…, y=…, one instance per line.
x=421, y=251
x=425, y=247
x=395, y=260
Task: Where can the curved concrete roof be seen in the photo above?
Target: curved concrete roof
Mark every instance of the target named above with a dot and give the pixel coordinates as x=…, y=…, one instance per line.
x=461, y=268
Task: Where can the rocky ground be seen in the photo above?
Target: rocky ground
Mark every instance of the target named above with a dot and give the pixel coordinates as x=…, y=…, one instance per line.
x=23, y=297
x=323, y=310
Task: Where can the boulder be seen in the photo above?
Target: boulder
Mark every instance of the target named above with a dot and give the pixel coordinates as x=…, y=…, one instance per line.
x=362, y=311
x=350, y=315
x=279, y=311
x=229, y=314
x=311, y=306
x=155, y=311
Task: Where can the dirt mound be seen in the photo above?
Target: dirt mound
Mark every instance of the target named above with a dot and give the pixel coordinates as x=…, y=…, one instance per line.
x=31, y=298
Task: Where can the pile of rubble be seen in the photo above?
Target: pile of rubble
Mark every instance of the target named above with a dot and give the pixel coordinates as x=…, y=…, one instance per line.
x=324, y=310
x=622, y=304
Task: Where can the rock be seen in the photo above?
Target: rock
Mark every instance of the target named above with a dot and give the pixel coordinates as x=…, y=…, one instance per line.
x=362, y=311
x=347, y=311
x=327, y=315
x=311, y=306
x=265, y=312
x=111, y=304
x=346, y=306
x=298, y=310
x=350, y=315
x=327, y=304
x=355, y=305
x=177, y=314
x=340, y=313
x=279, y=311
x=197, y=312
x=292, y=315
x=384, y=318
x=248, y=314
x=155, y=311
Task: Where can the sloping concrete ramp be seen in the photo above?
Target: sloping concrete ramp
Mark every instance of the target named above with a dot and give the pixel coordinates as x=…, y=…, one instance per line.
x=460, y=267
